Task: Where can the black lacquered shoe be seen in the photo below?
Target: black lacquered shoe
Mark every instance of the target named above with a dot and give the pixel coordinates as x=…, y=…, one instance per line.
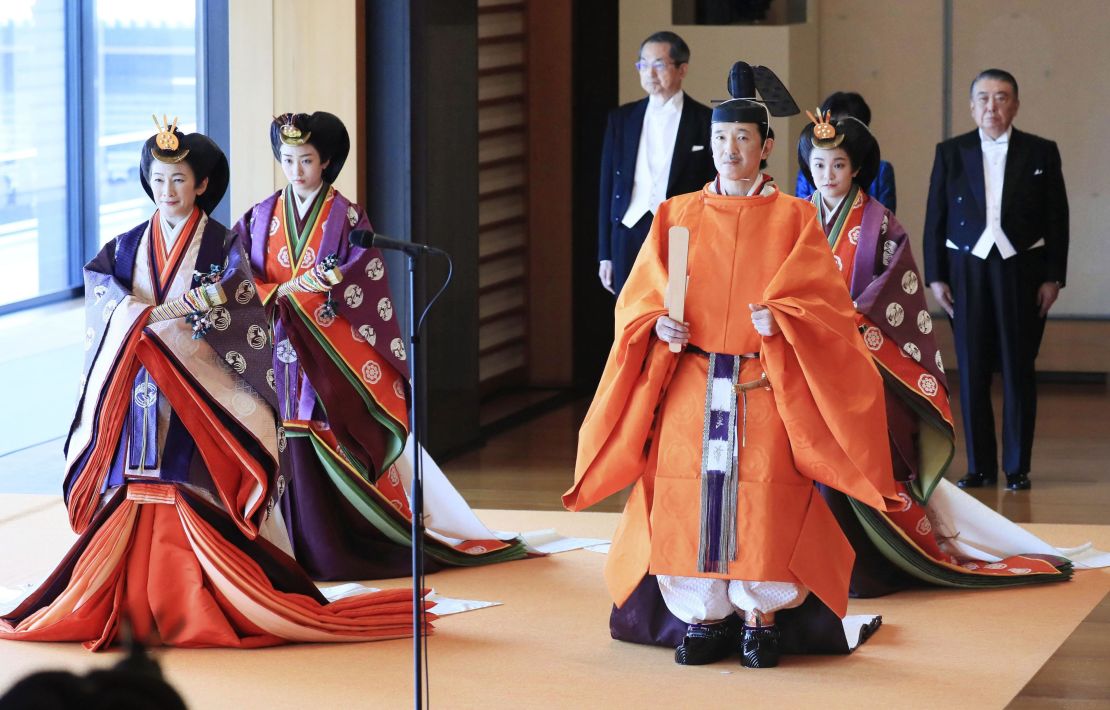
x=759, y=646
x=1018, y=482
x=708, y=643
x=975, y=480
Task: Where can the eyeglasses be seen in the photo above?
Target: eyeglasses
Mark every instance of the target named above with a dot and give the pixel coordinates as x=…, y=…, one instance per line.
x=658, y=65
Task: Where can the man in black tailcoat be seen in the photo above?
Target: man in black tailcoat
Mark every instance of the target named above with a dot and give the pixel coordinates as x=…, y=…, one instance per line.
x=996, y=248
x=655, y=148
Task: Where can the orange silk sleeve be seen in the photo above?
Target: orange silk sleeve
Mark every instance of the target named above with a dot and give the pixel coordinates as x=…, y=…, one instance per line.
x=611, y=450
x=827, y=390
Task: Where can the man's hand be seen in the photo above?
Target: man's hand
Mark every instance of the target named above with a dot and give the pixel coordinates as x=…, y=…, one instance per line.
x=671, y=331
x=605, y=273
x=764, y=320
x=1047, y=295
x=943, y=294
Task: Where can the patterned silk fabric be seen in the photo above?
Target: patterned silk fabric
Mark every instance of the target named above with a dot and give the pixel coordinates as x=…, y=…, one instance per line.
x=341, y=378
x=894, y=319
x=192, y=552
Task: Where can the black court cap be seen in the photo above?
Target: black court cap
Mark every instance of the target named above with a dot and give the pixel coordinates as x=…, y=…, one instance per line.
x=757, y=93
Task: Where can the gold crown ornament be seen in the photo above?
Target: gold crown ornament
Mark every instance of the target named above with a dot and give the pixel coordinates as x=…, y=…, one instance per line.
x=167, y=146
x=824, y=132
x=289, y=133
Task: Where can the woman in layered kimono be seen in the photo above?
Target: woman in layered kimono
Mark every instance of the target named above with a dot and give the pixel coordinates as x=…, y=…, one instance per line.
x=842, y=104
x=941, y=535
x=172, y=458
x=341, y=378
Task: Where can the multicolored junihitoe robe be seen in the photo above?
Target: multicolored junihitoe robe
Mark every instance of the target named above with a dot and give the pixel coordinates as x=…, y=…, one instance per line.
x=172, y=476
x=341, y=379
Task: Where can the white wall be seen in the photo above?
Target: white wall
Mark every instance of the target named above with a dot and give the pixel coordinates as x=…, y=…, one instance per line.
x=894, y=58
x=287, y=55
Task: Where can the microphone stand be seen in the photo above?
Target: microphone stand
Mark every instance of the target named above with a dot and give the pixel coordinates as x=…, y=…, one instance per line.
x=416, y=502
x=367, y=238
x=416, y=495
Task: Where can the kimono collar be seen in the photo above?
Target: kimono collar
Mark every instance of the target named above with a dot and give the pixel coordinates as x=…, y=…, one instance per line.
x=170, y=234
x=304, y=205
x=761, y=186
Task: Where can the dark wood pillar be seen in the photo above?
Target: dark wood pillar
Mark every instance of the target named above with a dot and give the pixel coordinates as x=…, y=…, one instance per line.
x=595, y=91
x=422, y=184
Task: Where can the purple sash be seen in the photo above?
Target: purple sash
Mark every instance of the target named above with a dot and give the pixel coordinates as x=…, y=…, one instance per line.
x=717, y=541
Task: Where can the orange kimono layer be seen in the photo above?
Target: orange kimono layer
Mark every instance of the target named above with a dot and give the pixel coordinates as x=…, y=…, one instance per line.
x=823, y=420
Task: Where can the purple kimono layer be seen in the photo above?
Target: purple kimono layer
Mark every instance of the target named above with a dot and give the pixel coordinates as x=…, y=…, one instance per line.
x=238, y=338
x=332, y=537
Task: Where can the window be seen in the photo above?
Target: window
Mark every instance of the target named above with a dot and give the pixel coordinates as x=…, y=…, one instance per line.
x=146, y=62
x=33, y=251
x=78, y=84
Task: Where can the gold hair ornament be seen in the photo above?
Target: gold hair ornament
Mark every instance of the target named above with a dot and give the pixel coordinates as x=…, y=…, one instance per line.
x=824, y=132
x=166, y=142
x=289, y=133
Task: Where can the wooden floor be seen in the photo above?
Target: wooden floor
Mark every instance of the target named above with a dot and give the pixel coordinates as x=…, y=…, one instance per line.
x=530, y=466
x=551, y=629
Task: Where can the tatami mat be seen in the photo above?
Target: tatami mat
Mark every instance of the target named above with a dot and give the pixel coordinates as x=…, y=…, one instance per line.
x=548, y=645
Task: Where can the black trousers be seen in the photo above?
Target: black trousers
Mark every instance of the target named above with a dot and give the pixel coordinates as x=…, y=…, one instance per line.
x=624, y=245
x=997, y=326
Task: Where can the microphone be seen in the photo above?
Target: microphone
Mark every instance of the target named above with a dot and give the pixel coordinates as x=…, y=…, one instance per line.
x=367, y=238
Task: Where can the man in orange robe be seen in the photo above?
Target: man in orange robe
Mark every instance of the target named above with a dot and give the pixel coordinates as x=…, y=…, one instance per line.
x=727, y=517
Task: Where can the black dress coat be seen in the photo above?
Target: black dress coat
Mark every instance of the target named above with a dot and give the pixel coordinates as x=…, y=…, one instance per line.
x=691, y=167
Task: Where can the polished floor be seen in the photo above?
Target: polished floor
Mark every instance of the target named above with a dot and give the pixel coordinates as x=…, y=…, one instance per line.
x=530, y=466
x=548, y=646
